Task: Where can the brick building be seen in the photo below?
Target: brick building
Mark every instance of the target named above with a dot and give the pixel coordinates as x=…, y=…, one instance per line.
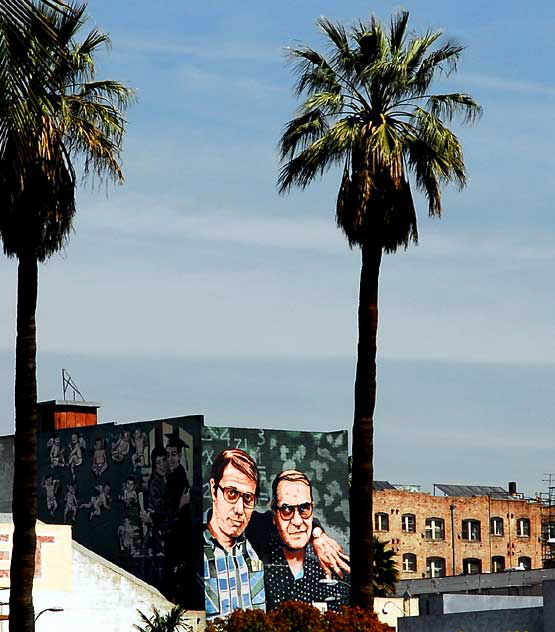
x=494, y=530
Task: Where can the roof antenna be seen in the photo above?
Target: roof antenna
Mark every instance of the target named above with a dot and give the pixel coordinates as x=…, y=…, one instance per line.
x=68, y=383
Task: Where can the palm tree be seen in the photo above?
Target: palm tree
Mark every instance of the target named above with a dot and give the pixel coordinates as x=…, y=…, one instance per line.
x=52, y=112
x=172, y=621
x=386, y=573
x=368, y=109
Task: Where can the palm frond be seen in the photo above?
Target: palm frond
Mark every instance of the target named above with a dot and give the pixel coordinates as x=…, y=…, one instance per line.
x=301, y=132
x=328, y=150
x=446, y=106
x=397, y=31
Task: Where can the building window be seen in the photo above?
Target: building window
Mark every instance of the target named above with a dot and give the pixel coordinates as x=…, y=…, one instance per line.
x=497, y=564
x=408, y=523
x=472, y=566
x=382, y=522
x=435, y=529
x=496, y=526
x=548, y=530
x=471, y=530
x=525, y=562
x=435, y=567
x=523, y=527
x=409, y=562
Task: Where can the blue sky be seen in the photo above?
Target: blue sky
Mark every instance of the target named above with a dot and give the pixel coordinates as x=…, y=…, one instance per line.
x=195, y=288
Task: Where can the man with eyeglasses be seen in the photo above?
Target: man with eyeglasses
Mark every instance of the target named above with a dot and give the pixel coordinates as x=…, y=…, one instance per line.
x=292, y=570
x=238, y=541
x=233, y=572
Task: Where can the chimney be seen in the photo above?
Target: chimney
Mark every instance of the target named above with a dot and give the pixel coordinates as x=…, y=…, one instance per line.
x=57, y=414
x=512, y=488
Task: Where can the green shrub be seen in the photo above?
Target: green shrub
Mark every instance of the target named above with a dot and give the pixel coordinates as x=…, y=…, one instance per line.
x=294, y=616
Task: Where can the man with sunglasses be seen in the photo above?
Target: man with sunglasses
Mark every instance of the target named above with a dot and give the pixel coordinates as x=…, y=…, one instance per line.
x=233, y=572
x=292, y=570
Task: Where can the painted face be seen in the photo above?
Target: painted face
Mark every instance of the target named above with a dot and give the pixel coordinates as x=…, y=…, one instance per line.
x=174, y=457
x=161, y=465
x=293, y=529
x=98, y=444
x=130, y=484
x=73, y=438
x=231, y=518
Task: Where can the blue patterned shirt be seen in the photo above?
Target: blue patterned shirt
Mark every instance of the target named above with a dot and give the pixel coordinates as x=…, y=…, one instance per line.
x=232, y=578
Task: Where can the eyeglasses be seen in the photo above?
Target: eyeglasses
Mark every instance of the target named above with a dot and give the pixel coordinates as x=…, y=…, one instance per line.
x=232, y=495
x=288, y=511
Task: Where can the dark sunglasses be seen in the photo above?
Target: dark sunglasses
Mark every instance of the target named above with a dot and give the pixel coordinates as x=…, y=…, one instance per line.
x=287, y=511
x=232, y=495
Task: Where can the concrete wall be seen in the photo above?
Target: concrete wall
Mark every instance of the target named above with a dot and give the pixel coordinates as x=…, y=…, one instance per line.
x=446, y=604
x=515, y=620
x=510, y=546
x=103, y=598
x=394, y=607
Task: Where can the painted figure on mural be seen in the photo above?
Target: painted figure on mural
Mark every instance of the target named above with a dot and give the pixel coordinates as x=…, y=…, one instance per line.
x=76, y=447
x=128, y=534
x=56, y=452
x=233, y=525
x=154, y=516
x=70, y=508
x=233, y=572
x=121, y=447
x=139, y=443
x=94, y=504
x=293, y=571
x=178, y=490
x=129, y=492
x=100, y=459
x=51, y=485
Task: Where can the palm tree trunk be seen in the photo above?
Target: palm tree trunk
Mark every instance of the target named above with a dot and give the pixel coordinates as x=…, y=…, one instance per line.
x=24, y=504
x=363, y=431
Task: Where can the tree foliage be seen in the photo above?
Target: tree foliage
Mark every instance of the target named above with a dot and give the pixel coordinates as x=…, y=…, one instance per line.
x=368, y=109
x=295, y=616
x=53, y=111
x=386, y=573
x=171, y=621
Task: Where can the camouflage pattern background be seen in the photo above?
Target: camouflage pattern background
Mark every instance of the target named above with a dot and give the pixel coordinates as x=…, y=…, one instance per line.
x=100, y=479
x=322, y=456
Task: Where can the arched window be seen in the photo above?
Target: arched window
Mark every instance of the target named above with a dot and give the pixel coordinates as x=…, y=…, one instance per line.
x=435, y=529
x=471, y=530
x=381, y=522
x=496, y=526
x=523, y=527
x=472, y=566
x=497, y=564
x=525, y=562
x=409, y=562
x=408, y=523
x=435, y=567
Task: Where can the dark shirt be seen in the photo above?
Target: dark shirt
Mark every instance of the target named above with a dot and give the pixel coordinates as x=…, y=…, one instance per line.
x=176, y=484
x=280, y=583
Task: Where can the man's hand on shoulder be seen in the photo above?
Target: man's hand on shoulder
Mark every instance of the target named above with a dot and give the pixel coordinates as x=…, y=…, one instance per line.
x=330, y=555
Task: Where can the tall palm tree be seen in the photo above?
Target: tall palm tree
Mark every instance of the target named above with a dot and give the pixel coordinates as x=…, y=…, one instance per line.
x=52, y=113
x=368, y=109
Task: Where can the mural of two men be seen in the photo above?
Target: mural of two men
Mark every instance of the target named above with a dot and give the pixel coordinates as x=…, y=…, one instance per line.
x=257, y=560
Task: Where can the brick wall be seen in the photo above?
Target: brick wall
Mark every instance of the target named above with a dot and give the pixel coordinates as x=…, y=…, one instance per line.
x=510, y=546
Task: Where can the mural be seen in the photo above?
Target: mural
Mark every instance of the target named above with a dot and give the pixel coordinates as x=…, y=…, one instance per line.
x=132, y=494
x=276, y=513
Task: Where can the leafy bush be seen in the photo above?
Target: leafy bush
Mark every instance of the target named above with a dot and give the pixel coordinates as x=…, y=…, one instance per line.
x=294, y=616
